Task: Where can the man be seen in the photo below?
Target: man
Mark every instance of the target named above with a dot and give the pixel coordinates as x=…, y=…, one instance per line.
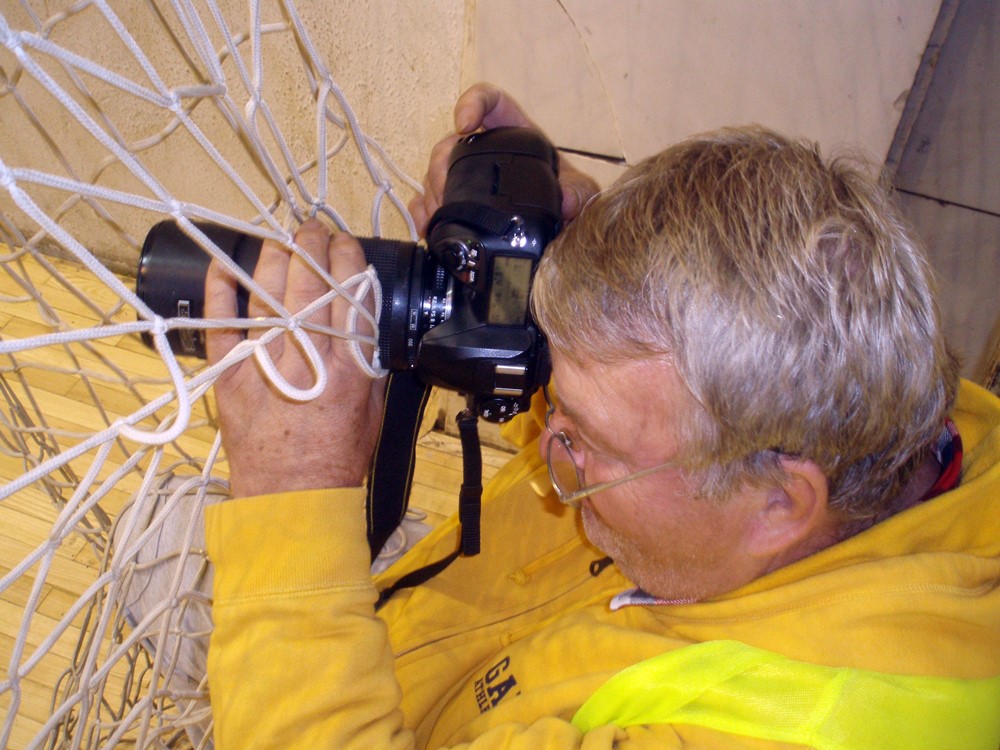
x=755, y=412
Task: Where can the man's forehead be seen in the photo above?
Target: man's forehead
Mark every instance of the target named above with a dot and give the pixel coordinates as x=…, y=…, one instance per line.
x=589, y=371
x=631, y=391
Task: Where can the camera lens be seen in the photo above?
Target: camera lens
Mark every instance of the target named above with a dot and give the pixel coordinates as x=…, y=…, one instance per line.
x=171, y=280
x=171, y=277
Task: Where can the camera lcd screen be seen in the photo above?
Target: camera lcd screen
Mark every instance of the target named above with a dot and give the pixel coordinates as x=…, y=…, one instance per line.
x=509, y=290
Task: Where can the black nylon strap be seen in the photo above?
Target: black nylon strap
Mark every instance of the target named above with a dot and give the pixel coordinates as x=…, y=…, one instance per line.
x=416, y=577
x=469, y=507
x=470, y=498
x=391, y=473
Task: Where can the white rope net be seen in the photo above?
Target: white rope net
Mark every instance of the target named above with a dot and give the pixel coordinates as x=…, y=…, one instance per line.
x=104, y=443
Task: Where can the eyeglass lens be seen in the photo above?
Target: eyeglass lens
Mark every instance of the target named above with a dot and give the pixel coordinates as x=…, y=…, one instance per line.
x=563, y=471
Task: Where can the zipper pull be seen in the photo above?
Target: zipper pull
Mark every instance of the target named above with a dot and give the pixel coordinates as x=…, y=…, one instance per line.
x=597, y=567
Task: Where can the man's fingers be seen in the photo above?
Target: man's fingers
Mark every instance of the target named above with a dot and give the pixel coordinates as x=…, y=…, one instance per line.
x=346, y=260
x=304, y=285
x=422, y=207
x=418, y=210
x=486, y=106
x=437, y=170
x=285, y=277
x=577, y=189
x=220, y=302
x=271, y=275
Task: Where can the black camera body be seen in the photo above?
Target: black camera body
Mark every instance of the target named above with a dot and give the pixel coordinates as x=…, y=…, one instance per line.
x=454, y=311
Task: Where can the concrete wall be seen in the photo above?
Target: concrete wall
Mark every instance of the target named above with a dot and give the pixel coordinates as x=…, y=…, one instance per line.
x=398, y=63
x=625, y=79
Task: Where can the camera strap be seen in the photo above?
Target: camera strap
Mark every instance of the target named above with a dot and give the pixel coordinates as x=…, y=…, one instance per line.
x=469, y=501
x=391, y=474
x=471, y=496
x=474, y=214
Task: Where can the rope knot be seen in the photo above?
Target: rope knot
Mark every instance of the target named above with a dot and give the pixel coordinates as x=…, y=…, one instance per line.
x=11, y=38
x=252, y=105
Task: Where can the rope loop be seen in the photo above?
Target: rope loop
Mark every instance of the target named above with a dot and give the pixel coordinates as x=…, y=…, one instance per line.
x=367, y=283
x=263, y=357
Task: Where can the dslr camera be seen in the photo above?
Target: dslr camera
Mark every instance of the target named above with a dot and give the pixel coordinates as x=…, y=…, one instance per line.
x=454, y=309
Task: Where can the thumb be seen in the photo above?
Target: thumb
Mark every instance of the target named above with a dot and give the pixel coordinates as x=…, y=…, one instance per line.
x=577, y=189
x=485, y=106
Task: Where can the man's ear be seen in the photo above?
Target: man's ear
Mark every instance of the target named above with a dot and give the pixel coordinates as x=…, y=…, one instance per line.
x=793, y=519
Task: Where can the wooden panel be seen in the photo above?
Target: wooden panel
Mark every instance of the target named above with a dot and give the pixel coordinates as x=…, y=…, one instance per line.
x=964, y=249
x=951, y=153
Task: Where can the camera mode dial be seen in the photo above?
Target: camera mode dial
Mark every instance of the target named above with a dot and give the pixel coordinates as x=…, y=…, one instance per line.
x=461, y=257
x=499, y=410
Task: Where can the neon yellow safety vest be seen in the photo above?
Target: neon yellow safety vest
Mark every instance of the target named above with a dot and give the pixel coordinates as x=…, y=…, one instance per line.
x=747, y=691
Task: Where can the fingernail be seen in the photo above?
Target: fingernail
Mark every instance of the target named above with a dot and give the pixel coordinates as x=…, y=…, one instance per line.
x=464, y=122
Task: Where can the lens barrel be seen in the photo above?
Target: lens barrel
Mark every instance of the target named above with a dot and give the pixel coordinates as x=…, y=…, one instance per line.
x=172, y=270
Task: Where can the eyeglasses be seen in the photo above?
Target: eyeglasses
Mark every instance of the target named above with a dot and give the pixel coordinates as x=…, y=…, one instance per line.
x=565, y=473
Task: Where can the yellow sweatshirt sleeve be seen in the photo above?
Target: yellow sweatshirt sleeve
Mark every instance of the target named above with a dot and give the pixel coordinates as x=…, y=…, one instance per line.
x=297, y=657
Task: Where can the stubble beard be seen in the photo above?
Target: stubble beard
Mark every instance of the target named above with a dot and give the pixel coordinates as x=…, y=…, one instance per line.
x=673, y=581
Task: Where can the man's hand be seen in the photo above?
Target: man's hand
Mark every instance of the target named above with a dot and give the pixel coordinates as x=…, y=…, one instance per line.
x=483, y=107
x=273, y=443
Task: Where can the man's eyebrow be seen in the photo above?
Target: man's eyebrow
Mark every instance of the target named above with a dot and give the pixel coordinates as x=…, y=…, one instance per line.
x=565, y=408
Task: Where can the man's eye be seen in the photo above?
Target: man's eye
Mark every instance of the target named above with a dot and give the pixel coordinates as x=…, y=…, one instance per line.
x=580, y=444
x=571, y=442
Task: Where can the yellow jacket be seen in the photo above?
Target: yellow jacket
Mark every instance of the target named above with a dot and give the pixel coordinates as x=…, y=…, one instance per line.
x=501, y=650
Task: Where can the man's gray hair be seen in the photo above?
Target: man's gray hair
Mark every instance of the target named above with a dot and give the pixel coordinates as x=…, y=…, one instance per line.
x=786, y=290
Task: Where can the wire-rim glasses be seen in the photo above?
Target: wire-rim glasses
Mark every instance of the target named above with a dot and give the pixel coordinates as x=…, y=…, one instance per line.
x=565, y=473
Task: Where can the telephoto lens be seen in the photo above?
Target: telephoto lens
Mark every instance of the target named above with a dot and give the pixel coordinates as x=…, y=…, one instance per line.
x=172, y=270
